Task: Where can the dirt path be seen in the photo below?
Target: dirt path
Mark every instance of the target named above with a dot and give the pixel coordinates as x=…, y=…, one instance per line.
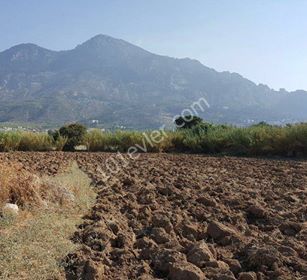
x=189, y=217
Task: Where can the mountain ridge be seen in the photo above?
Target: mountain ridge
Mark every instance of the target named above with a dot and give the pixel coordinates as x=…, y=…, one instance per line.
x=120, y=84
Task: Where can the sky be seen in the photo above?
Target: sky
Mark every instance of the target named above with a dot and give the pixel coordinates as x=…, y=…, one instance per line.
x=263, y=40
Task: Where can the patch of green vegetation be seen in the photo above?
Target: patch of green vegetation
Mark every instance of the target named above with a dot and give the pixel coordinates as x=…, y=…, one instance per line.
x=202, y=137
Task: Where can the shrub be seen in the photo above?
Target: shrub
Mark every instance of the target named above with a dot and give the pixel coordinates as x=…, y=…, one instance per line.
x=74, y=133
x=96, y=140
x=297, y=139
x=30, y=141
x=9, y=141
x=187, y=122
x=175, y=142
x=237, y=141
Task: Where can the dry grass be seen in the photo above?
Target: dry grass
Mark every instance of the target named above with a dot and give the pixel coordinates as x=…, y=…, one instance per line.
x=34, y=243
x=17, y=185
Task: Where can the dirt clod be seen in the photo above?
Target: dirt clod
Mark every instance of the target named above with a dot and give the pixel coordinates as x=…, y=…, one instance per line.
x=247, y=276
x=183, y=271
x=200, y=254
x=222, y=234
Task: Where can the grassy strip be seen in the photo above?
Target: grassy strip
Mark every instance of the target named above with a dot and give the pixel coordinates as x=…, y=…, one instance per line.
x=259, y=140
x=256, y=140
x=29, y=141
x=33, y=243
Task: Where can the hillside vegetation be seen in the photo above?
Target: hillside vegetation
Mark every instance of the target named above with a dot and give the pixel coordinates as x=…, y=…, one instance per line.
x=119, y=84
x=258, y=140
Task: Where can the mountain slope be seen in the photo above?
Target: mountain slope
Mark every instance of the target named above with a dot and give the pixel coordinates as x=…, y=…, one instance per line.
x=117, y=83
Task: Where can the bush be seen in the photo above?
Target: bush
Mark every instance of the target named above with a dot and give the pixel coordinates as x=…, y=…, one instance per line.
x=96, y=140
x=187, y=122
x=35, y=142
x=121, y=141
x=74, y=133
x=174, y=142
x=9, y=141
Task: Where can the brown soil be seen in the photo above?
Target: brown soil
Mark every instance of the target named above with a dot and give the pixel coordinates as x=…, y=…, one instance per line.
x=187, y=217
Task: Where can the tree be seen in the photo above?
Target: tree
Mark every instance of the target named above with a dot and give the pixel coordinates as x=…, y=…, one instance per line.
x=74, y=133
x=188, y=122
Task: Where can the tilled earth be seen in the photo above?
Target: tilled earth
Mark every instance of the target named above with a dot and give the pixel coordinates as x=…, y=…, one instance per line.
x=187, y=217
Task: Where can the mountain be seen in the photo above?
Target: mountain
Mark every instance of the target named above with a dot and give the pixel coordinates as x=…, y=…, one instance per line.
x=120, y=84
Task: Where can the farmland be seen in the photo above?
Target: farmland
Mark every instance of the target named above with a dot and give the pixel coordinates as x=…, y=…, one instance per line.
x=180, y=216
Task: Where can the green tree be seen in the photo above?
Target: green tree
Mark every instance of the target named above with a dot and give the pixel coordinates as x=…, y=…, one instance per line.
x=188, y=122
x=74, y=133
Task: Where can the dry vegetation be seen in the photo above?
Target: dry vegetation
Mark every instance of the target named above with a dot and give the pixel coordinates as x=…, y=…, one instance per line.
x=20, y=187
x=34, y=242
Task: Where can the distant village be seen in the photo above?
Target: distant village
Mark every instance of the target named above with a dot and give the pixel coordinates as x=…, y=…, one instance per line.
x=92, y=124
x=21, y=128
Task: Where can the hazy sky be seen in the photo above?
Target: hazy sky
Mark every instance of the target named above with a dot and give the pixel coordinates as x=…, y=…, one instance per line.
x=264, y=40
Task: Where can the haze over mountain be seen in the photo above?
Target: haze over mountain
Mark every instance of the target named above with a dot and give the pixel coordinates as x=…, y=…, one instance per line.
x=120, y=84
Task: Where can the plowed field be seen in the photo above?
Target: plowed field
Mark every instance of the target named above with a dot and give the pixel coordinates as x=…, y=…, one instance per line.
x=187, y=217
